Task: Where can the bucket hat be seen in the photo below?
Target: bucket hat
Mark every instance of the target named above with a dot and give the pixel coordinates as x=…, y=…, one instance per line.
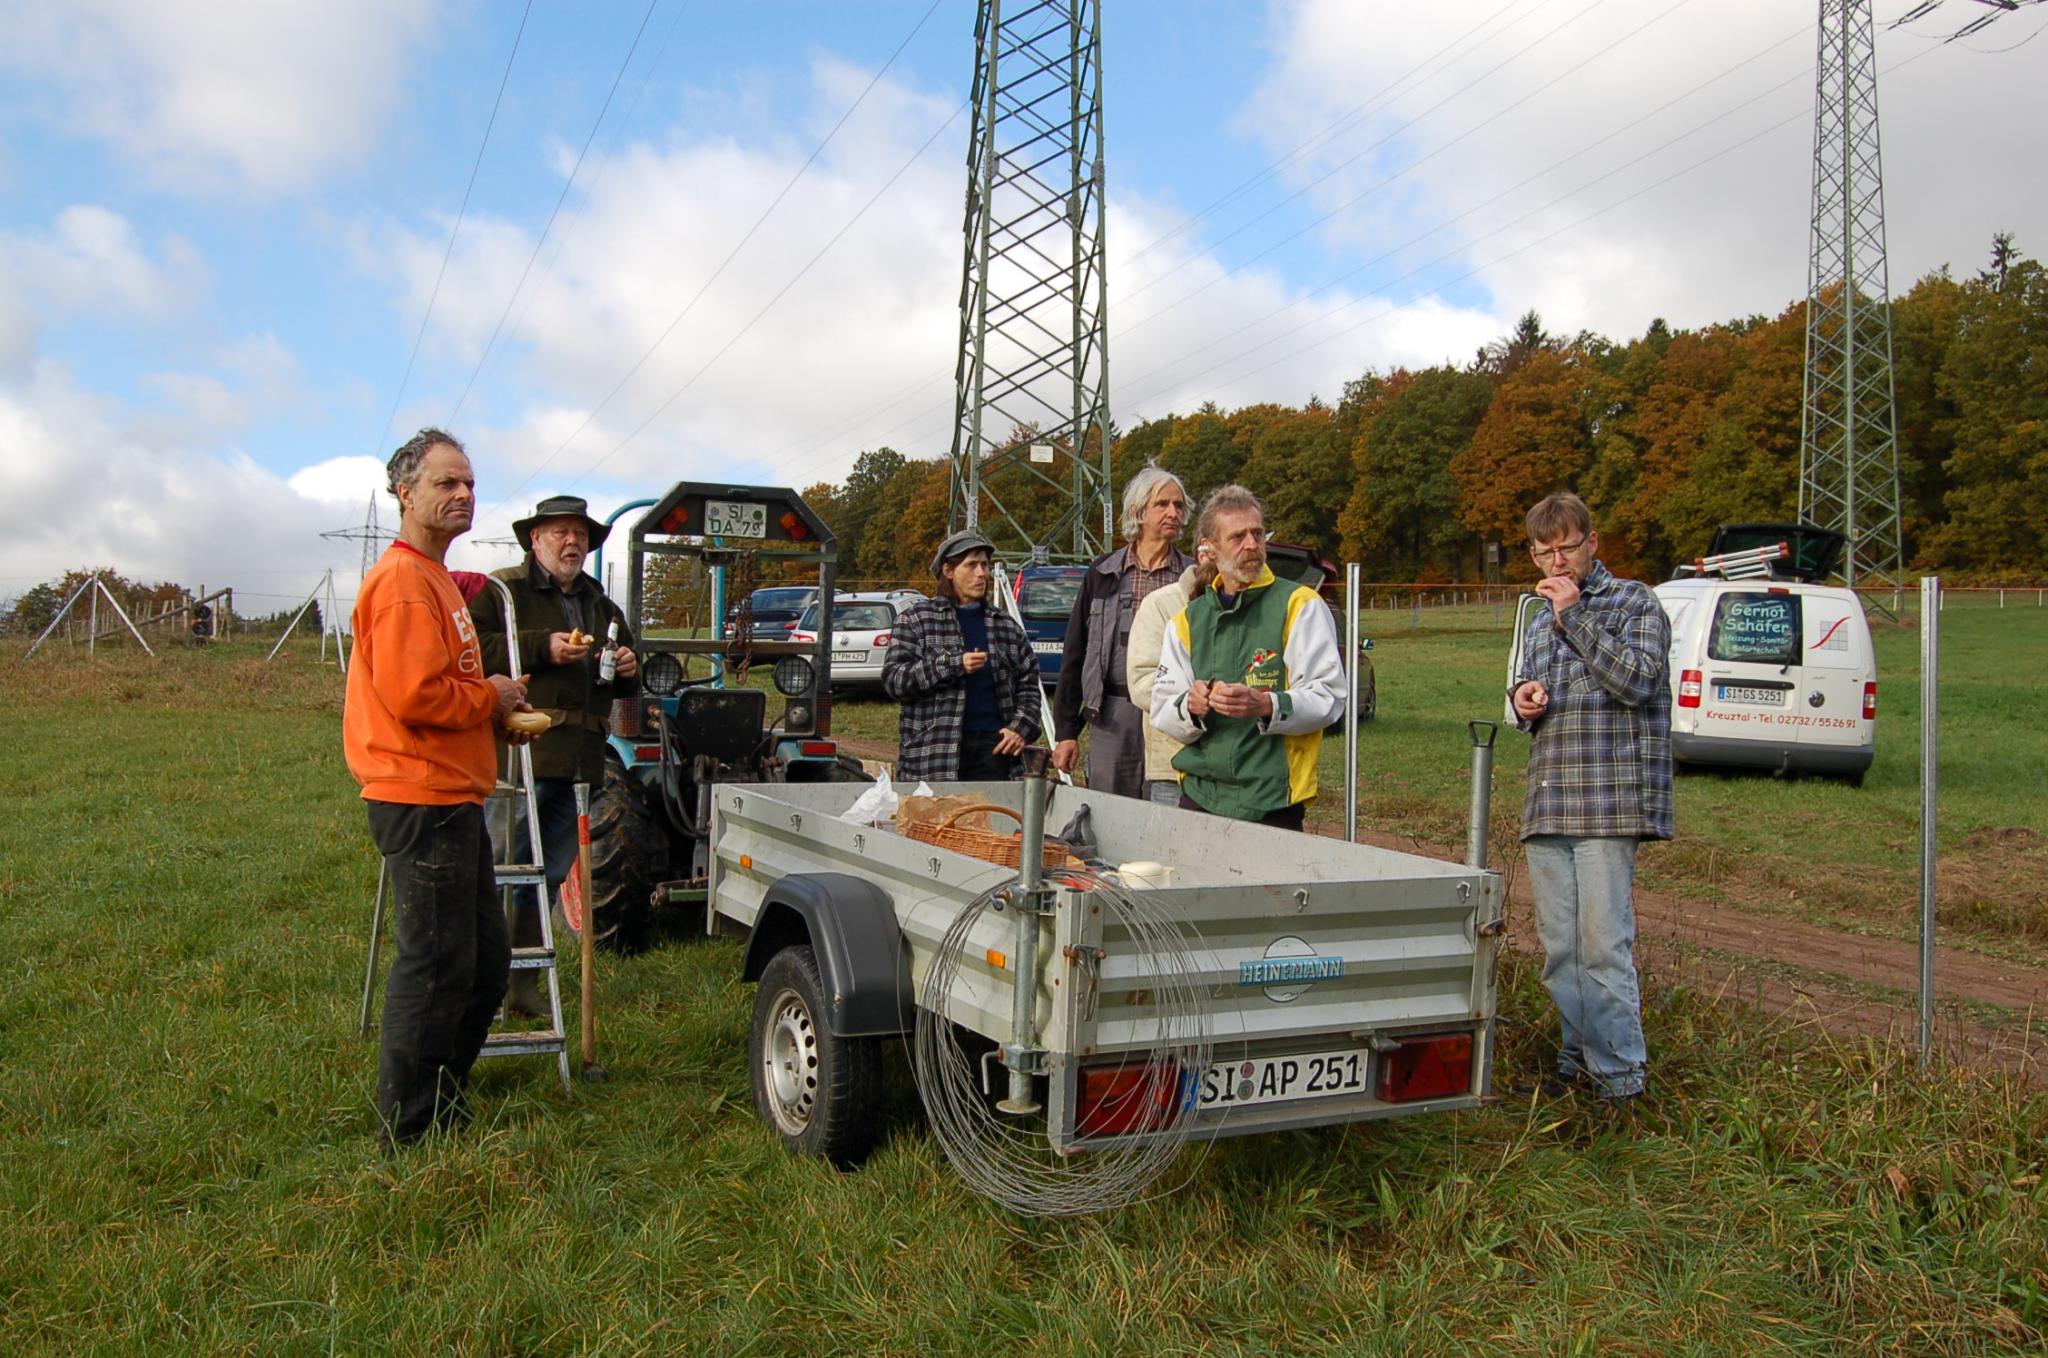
x=560, y=507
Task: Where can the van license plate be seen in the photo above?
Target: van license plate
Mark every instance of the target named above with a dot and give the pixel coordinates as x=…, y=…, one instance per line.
x=1753, y=697
x=1278, y=1079
x=1048, y=647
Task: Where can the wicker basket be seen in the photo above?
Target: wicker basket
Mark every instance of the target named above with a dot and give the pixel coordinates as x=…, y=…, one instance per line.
x=990, y=845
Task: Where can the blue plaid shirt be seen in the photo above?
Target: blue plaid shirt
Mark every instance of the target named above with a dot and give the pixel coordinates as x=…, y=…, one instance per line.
x=1600, y=765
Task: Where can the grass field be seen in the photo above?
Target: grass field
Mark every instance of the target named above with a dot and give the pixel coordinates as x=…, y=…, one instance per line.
x=187, y=1162
x=1815, y=848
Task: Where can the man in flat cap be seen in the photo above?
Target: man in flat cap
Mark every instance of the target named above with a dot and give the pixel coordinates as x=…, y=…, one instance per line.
x=563, y=619
x=964, y=672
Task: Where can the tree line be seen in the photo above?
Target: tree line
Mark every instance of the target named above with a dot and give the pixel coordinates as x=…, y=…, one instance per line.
x=1423, y=475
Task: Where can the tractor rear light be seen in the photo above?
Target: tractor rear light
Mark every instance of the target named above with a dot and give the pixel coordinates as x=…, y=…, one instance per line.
x=673, y=521
x=1689, y=688
x=647, y=754
x=1870, y=700
x=797, y=529
x=1426, y=1068
x=1136, y=1096
x=819, y=747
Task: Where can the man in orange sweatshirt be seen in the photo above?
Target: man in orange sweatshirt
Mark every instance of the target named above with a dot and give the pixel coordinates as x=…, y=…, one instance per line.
x=418, y=729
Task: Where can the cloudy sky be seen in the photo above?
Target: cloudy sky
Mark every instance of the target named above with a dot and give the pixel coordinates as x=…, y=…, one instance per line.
x=223, y=227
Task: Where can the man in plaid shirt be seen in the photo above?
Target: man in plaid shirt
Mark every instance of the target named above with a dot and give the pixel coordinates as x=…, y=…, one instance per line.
x=964, y=672
x=1593, y=690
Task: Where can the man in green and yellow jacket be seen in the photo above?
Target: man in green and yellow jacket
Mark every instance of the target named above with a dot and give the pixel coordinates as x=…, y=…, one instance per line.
x=563, y=618
x=1249, y=676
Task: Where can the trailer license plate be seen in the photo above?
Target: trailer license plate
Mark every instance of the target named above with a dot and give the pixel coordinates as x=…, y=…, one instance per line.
x=735, y=519
x=1277, y=1079
x=1754, y=697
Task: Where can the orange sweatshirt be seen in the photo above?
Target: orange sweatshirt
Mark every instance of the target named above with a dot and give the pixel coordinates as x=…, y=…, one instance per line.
x=416, y=725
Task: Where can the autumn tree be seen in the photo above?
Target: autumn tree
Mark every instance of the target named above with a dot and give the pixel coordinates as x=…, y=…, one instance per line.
x=1402, y=518
x=1533, y=439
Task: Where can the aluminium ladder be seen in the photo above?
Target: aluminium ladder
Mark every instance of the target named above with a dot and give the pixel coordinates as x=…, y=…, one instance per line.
x=513, y=795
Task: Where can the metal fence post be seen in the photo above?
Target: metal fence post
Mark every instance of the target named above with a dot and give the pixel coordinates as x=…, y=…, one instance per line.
x=1351, y=706
x=1930, y=713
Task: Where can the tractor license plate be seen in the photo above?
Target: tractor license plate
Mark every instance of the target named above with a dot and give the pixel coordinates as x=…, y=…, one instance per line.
x=1048, y=647
x=1750, y=696
x=848, y=657
x=1278, y=1079
x=735, y=519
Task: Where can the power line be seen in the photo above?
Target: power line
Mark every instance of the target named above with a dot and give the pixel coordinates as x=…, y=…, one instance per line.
x=733, y=253
x=1622, y=127
x=844, y=424
x=461, y=212
x=567, y=184
x=741, y=333
x=1352, y=202
x=1396, y=130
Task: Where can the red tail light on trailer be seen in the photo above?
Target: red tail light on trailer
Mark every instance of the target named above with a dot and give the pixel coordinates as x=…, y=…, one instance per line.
x=1689, y=686
x=1426, y=1068
x=1138, y=1096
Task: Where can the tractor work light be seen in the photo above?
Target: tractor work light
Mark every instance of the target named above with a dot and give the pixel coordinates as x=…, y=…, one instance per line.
x=662, y=674
x=793, y=676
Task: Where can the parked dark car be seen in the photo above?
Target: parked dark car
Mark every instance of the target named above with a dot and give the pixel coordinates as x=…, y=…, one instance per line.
x=1045, y=598
x=776, y=609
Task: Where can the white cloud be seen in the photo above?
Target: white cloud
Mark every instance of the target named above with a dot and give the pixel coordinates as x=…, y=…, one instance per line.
x=271, y=95
x=92, y=261
x=860, y=352
x=1721, y=239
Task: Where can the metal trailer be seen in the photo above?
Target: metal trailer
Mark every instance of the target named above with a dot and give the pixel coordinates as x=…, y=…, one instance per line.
x=1344, y=982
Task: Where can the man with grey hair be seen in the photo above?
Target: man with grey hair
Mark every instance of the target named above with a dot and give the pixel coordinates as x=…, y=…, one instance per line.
x=1249, y=675
x=1092, y=690
x=417, y=728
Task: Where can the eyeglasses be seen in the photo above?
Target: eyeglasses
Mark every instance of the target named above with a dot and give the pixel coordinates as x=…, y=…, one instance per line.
x=1563, y=549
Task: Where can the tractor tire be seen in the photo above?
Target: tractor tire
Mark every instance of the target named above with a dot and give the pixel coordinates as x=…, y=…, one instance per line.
x=629, y=854
x=821, y=1093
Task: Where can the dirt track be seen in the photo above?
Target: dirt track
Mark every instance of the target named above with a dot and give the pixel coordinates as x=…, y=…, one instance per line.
x=1844, y=983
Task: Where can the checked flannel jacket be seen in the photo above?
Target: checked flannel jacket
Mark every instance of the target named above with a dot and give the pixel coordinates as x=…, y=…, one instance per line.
x=923, y=672
x=1601, y=762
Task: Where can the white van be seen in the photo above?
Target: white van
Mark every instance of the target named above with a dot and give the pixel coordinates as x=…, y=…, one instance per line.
x=1774, y=670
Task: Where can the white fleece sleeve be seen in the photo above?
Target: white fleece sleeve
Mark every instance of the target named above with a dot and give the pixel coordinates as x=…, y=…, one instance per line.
x=1170, y=689
x=1314, y=696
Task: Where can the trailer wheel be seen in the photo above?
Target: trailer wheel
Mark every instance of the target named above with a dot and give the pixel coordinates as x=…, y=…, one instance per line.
x=820, y=1092
x=628, y=856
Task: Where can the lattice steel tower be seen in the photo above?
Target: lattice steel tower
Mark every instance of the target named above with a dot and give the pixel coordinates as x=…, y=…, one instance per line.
x=1032, y=386
x=1848, y=447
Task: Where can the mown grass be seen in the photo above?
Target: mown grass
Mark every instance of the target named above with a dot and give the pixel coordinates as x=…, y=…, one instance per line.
x=187, y=1161
x=1815, y=848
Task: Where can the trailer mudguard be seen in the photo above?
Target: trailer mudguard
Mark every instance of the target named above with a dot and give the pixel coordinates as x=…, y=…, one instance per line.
x=851, y=926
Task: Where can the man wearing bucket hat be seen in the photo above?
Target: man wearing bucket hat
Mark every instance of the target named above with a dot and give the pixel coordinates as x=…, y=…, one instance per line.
x=563, y=617
x=964, y=673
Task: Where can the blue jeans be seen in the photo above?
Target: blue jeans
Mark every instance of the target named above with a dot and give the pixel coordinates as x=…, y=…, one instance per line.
x=1586, y=917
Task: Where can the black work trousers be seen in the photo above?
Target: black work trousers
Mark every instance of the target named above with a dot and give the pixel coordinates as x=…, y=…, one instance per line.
x=449, y=973
x=979, y=762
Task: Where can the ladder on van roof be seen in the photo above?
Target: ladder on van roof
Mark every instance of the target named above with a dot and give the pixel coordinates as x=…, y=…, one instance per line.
x=1753, y=563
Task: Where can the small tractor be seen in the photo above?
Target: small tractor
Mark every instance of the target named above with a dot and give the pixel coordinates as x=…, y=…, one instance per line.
x=650, y=818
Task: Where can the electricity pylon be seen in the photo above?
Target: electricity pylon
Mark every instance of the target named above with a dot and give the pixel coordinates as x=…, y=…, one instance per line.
x=1032, y=381
x=374, y=537
x=1848, y=446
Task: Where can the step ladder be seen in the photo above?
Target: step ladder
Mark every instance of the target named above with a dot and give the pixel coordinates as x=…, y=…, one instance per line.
x=1753, y=563
x=513, y=796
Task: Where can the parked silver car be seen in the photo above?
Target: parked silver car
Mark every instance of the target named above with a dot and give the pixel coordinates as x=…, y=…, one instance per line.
x=860, y=634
